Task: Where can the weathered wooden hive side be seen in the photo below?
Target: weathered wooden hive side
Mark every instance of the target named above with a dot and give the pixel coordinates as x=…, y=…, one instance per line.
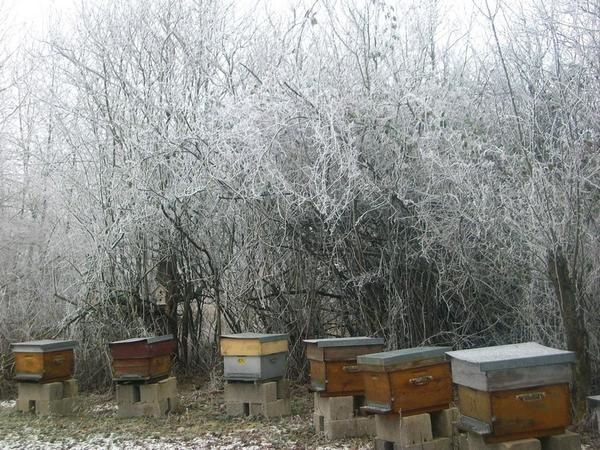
x=44, y=361
x=412, y=381
x=333, y=367
x=513, y=391
x=142, y=359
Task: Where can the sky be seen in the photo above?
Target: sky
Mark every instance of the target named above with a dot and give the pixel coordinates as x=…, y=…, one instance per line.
x=19, y=18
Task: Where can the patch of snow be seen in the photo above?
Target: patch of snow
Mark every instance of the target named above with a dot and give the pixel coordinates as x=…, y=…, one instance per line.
x=8, y=404
x=105, y=407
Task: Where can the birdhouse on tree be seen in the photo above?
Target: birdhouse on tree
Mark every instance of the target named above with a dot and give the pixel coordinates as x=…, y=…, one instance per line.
x=160, y=296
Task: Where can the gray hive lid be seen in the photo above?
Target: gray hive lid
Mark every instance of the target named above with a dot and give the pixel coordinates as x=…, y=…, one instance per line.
x=149, y=340
x=512, y=356
x=345, y=342
x=402, y=356
x=260, y=337
x=45, y=345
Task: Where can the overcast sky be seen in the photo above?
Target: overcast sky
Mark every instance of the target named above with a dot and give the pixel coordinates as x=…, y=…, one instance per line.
x=32, y=17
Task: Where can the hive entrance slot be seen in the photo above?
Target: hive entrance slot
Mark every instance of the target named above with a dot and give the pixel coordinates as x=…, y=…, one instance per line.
x=31, y=406
x=246, y=409
x=137, y=396
x=321, y=422
x=168, y=406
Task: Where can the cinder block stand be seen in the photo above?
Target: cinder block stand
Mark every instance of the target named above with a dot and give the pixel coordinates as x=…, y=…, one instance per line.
x=256, y=398
x=59, y=398
x=338, y=417
x=151, y=399
x=430, y=431
x=594, y=409
x=566, y=441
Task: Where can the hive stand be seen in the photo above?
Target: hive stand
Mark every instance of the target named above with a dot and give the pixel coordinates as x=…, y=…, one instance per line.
x=59, y=398
x=594, y=409
x=258, y=398
x=565, y=441
x=429, y=431
x=152, y=399
x=337, y=417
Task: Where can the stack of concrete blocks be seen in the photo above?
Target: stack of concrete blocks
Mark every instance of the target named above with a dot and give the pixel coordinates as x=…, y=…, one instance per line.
x=59, y=398
x=258, y=398
x=594, y=410
x=566, y=441
x=430, y=431
x=149, y=400
x=339, y=417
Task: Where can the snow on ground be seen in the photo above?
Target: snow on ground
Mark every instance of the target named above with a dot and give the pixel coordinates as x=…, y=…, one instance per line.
x=7, y=404
x=117, y=442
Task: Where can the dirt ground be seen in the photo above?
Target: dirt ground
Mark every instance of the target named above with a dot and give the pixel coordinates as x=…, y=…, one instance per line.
x=201, y=423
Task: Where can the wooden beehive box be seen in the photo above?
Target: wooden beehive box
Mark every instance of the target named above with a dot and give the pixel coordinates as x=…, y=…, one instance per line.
x=44, y=361
x=142, y=359
x=513, y=391
x=254, y=356
x=333, y=369
x=410, y=381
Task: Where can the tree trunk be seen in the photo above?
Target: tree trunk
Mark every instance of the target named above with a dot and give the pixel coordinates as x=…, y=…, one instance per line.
x=566, y=292
x=167, y=276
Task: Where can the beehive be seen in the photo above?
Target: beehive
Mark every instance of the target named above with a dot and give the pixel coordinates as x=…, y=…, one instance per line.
x=333, y=367
x=142, y=359
x=410, y=381
x=512, y=392
x=44, y=361
x=254, y=356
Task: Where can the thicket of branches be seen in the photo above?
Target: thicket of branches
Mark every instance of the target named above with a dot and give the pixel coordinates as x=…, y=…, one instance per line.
x=341, y=168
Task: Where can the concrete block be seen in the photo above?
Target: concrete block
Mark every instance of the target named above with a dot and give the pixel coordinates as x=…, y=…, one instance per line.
x=283, y=388
x=476, y=442
x=442, y=422
x=365, y=425
x=347, y=428
x=405, y=431
x=134, y=410
x=62, y=407
x=36, y=391
x=58, y=398
x=317, y=403
x=70, y=388
x=335, y=408
x=380, y=444
x=168, y=387
x=149, y=400
x=173, y=403
x=127, y=394
x=27, y=391
x=461, y=442
x=319, y=423
x=278, y=408
x=25, y=405
x=150, y=393
x=387, y=427
x=237, y=409
x=415, y=429
x=51, y=391
x=268, y=392
x=566, y=441
x=255, y=409
x=436, y=444
x=250, y=392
